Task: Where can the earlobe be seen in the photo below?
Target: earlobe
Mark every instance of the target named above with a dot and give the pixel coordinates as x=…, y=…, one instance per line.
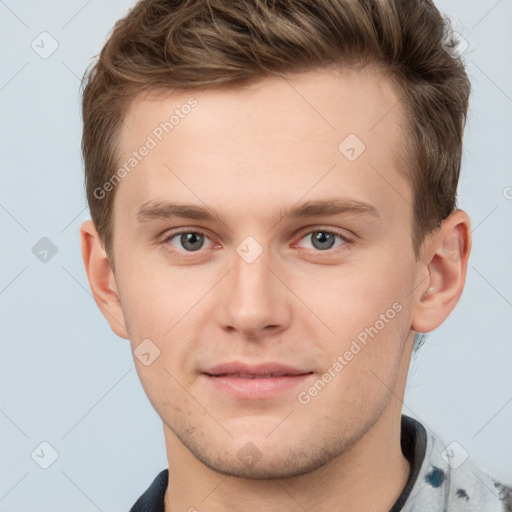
x=443, y=275
x=101, y=278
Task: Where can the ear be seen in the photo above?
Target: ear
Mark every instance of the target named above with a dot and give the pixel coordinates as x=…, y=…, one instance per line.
x=444, y=260
x=101, y=278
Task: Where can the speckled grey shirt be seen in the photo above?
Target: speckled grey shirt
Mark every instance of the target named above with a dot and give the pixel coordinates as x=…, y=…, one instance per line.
x=442, y=479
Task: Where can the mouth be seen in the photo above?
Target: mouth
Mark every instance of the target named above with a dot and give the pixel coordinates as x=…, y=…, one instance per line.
x=251, y=376
x=254, y=382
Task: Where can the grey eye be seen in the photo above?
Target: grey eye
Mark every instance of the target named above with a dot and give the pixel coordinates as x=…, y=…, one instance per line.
x=191, y=241
x=323, y=239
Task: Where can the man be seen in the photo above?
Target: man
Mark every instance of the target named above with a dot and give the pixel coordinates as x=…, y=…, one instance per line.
x=272, y=187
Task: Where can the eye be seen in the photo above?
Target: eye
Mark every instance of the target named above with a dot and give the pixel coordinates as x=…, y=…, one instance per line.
x=323, y=239
x=191, y=241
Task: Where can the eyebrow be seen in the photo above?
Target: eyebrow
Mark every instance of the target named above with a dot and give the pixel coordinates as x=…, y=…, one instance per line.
x=155, y=210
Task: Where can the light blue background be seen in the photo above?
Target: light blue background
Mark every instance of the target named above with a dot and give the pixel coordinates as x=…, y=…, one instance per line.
x=65, y=378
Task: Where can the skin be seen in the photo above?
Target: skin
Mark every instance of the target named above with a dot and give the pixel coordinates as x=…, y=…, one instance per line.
x=248, y=153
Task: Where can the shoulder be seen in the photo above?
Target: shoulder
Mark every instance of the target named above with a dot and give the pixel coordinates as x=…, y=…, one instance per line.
x=473, y=487
x=446, y=478
x=505, y=494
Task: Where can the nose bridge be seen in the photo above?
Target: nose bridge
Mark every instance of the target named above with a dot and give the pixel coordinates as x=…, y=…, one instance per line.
x=252, y=297
x=251, y=276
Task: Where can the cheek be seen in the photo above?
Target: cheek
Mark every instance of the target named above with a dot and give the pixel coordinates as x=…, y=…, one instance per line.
x=352, y=296
x=168, y=306
x=367, y=312
x=156, y=296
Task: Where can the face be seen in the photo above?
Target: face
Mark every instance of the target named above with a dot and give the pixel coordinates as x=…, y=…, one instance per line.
x=267, y=228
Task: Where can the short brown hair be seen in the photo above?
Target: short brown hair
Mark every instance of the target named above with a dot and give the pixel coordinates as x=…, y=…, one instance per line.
x=190, y=44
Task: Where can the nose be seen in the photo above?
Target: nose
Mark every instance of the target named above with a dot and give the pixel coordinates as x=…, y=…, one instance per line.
x=253, y=300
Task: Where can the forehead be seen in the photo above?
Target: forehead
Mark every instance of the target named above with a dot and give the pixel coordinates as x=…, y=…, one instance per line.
x=282, y=137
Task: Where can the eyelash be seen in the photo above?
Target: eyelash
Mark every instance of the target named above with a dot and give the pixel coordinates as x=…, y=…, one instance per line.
x=344, y=245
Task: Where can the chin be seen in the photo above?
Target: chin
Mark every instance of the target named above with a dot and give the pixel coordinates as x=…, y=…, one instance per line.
x=262, y=465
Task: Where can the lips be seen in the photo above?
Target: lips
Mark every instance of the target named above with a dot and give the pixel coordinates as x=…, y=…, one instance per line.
x=257, y=371
x=254, y=382
x=250, y=376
